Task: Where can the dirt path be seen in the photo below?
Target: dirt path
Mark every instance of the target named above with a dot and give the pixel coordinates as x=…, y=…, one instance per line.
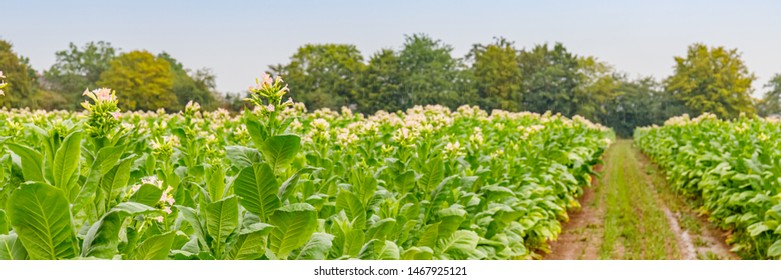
x=631, y=213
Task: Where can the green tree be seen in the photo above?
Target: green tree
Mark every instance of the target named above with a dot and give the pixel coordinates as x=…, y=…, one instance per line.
x=638, y=103
x=496, y=74
x=550, y=79
x=324, y=75
x=712, y=80
x=198, y=86
x=770, y=104
x=598, y=85
x=19, y=92
x=142, y=81
x=379, y=85
x=428, y=72
x=77, y=69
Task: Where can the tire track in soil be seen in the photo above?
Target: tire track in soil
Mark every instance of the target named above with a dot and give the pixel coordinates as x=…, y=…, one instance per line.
x=582, y=236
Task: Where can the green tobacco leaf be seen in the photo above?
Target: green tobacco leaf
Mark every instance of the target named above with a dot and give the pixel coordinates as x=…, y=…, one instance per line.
x=294, y=225
x=288, y=187
x=215, y=181
x=32, y=162
x=66, y=162
x=257, y=188
x=257, y=132
x=192, y=217
x=155, y=248
x=353, y=207
x=4, y=227
x=280, y=150
x=40, y=215
x=460, y=245
x=241, y=156
x=251, y=242
x=103, y=236
x=105, y=161
x=379, y=250
x=147, y=194
x=114, y=181
x=317, y=248
x=433, y=173
x=418, y=253
x=775, y=249
x=222, y=219
x=381, y=229
x=430, y=236
x=11, y=248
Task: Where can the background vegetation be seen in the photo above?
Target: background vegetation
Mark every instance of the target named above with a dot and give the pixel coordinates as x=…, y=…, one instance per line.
x=497, y=75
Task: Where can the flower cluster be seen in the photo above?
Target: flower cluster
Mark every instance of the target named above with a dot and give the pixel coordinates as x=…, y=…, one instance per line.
x=166, y=200
x=165, y=148
x=191, y=108
x=453, y=149
x=103, y=114
x=272, y=89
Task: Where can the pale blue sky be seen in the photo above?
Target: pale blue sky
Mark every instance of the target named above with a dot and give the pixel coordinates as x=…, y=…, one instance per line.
x=239, y=39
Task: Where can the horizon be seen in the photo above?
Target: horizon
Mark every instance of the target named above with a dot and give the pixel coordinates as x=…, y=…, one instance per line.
x=638, y=39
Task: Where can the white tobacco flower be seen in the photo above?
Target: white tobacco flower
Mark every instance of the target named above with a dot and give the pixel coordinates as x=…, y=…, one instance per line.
x=453, y=147
x=295, y=124
x=321, y=124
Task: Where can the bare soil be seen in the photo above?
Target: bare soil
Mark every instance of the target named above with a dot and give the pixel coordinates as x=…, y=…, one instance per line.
x=582, y=237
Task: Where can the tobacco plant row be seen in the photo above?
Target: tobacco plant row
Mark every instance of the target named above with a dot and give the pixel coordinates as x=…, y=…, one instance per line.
x=732, y=167
x=278, y=182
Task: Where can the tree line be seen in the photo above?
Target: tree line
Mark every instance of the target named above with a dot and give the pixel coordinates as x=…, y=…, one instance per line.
x=497, y=75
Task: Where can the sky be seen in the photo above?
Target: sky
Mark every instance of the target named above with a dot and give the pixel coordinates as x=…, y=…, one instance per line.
x=238, y=40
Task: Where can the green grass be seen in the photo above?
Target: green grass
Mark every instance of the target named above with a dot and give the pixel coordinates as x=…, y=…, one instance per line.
x=635, y=227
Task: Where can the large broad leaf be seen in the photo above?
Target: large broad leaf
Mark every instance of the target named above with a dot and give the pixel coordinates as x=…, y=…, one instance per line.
x=430, y=236
x=433, y=173
x=66, y=162
x=256, y=130
x=257, y=188
x=222, y=219
x=460, y=245
x=280, y=150
x=353, y=207
x=215, y=182
x=147, y=194
x=288, y=187
x=114, y=182
x=417, y=253
x=11, y=248
x=40, y=215
x=194, y=219
x=379, y=250
x=294, y=225
x=155, y=248
x=241, y=156
x=103, y=236
x=4, y=227
x=251, y=242
x=775, y=249
x=32, y=162
x=381, y=229
x=104, y=162
x=450, y=220
x=317, y=248
x=348, y=239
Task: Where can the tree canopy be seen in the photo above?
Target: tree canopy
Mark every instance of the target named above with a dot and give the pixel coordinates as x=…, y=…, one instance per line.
x=141, y=80
x=712, y=80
